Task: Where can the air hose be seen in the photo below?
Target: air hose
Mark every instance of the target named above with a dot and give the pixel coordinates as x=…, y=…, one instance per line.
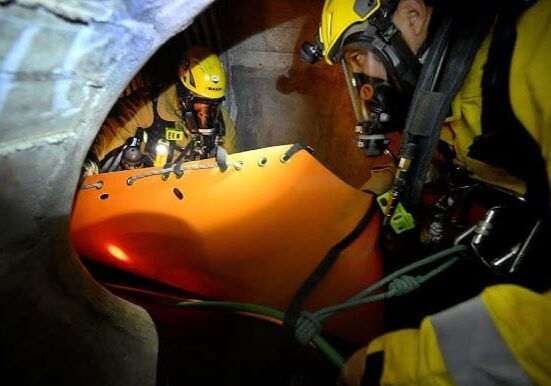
x=309, y=324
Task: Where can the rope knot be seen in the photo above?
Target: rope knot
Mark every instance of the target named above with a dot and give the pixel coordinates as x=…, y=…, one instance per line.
x=307, y=327
x=403, y=285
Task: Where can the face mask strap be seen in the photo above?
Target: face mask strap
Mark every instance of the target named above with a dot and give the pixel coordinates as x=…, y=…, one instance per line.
x=380, y=36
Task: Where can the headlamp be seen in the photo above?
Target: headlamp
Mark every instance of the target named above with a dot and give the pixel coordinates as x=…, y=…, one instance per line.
x=161, y=153
x=311, y=53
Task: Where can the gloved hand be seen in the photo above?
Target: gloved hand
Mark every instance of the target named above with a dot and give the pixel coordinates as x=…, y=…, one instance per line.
x=381, y=179
x=353, y=370
x=89, y=168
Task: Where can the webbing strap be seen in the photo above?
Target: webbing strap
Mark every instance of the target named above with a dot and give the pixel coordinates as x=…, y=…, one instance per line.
x=297, y=303
x=112, y=160
x=456, y=42
x=473, y=349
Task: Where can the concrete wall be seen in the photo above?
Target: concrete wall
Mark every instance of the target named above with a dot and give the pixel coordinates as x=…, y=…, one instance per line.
x=279, y=99
x=62, y=66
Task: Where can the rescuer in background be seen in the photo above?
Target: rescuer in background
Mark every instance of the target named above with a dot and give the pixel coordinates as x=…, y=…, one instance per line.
x=473, y=80
x=178, y=122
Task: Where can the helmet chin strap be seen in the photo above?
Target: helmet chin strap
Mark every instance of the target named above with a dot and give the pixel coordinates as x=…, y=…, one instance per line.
x=185, y=97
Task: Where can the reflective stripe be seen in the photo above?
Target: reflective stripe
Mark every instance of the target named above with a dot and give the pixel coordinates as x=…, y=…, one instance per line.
x=473, y=349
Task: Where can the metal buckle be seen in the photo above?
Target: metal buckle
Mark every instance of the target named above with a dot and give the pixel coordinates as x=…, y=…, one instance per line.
x=509, y=261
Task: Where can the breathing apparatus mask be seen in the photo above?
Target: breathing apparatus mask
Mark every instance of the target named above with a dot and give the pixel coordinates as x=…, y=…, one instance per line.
x=204, y=120
x=380, y=86
x=379, y=107
x=203, y=117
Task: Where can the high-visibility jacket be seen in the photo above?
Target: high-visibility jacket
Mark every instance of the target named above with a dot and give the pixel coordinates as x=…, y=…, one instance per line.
x=530, y=93
x=499, y=338
x=136, y=110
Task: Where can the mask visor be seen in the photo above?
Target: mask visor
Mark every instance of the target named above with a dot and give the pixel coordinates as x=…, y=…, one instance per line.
x=371, y=95
x=206, y=114
x=360, y=111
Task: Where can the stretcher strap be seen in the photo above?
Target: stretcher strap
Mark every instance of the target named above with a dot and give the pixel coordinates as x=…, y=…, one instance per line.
x=297, y=303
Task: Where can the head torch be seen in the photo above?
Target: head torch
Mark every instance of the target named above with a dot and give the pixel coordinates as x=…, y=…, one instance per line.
x=311, y=52
x=161, y=152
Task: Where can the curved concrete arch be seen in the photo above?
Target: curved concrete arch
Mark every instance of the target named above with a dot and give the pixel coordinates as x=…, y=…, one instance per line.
x=62, y=66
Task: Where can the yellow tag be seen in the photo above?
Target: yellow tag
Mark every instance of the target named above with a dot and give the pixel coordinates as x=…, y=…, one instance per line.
x=173, y=134
x=401, y=220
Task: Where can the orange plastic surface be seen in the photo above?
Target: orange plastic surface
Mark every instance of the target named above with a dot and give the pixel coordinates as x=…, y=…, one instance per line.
x=249, y=235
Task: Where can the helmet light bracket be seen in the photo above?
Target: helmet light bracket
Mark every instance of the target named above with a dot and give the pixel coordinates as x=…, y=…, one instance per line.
x=311, y=52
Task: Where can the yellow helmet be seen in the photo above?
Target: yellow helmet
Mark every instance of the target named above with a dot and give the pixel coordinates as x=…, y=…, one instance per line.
x=202, y=73
x=337, y=19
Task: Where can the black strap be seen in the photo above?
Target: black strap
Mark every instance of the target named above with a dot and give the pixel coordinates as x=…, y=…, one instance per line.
x=373, y=371
x=384, y=39
x=112, y=160
x=505, y=142
x=404, y=64
x=297, y=303
x=183, y=152
x=457, y=41
x=295, y=149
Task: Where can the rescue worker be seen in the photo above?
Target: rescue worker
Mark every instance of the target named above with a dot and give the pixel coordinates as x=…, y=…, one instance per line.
x=495, y=117
x=181, y=121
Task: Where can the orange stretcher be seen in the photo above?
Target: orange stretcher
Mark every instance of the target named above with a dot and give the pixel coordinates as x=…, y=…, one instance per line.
x=252, y=233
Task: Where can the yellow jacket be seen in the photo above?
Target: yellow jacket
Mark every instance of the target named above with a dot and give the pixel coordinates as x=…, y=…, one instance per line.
x=530, y=93
x=500, y=338
x=136, y=111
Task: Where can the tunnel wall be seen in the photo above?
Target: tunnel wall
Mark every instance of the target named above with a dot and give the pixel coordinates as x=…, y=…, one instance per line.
x=62, y=66
x=278, y=98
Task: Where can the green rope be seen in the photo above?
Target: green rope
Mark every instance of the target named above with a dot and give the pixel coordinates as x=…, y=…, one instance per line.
x=398, y=284
x=309, y=324
x=322, y=344
x=410, y=267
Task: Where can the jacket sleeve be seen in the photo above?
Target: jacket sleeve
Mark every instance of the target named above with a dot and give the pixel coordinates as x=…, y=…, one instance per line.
x=484, y=340
x=405, y=357
x=530, y=76
x=122, y=122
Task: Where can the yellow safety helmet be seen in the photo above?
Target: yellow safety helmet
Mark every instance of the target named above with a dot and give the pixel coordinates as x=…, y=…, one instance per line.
x=202, y=73
x=337, y=19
